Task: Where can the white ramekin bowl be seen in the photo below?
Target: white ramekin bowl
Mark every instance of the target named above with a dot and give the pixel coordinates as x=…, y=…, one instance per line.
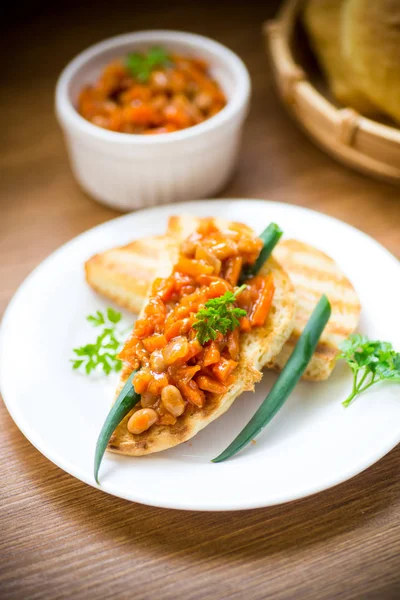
x=129, y=171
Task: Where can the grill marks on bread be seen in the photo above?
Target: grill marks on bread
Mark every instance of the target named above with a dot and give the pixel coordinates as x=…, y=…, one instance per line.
x=124, y=274
x=314, y=273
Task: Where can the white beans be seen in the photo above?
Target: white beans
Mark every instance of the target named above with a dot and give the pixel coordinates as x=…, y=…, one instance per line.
x=147, y=400
x=175, y=349
x=203, y=100
x=141, y=420
x=157, y=362
x=172, y=400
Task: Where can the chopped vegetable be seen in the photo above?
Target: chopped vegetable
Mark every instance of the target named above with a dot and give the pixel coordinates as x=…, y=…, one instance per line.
x=224, y=368
x=270, y=237
x=210, y=385
x=371, y=361
x=266, y=289
x=211, y=354
x=291, y=373
x=126, y=400
x=102, y=354
x=218, y=315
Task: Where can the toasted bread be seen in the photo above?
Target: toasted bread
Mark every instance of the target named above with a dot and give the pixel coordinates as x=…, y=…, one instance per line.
x=314, y=273
x=179, y=227
x=124, y=274
x=256, y=349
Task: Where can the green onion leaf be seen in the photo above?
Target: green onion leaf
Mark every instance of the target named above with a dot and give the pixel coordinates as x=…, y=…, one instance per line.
x=270, y=237
x=126, y=400
x=290, y=375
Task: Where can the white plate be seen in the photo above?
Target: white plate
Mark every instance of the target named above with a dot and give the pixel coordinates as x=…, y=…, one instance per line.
x=312, y=444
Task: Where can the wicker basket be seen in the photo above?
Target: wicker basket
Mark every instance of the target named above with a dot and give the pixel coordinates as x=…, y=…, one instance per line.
x=361, y=143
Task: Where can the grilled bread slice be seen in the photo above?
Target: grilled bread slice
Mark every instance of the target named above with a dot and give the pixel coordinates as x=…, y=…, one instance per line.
x=256, y=349
x=124, y=274
x=314, y=273
x=181, y=226
x=116, y=274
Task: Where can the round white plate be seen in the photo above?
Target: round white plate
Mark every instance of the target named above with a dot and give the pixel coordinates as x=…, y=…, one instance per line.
x=312, y=444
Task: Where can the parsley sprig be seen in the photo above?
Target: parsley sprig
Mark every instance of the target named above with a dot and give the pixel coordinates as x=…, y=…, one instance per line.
x=102, y=354
x=142, y=64
x=218, y=315
x=371, y=361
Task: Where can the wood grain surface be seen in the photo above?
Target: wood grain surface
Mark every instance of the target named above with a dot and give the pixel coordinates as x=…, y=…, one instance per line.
x=60, y=538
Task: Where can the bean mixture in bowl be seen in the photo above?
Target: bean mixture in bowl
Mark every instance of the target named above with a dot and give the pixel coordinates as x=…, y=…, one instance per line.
x=186, y=345
x=150, y=93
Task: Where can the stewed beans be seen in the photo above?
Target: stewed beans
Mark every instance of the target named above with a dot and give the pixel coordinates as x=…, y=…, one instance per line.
x=178, y=370
x=141, y=420
x=151, y=93
x=172, y=400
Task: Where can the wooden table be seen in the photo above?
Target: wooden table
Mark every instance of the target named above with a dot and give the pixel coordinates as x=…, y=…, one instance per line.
x=59, y=537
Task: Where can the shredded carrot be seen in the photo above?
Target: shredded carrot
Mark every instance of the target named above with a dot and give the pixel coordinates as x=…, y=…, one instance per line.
x=263, y=303
x=211, y=354
x=192, y=393
x=233, y=344
x=184, y=374
x=157, y=384
x=141, y=381
x=210, y=385
x=164, y=288
x=143, y=328
x=155, y=342
x=245, y=324
x=233, y=269
x=194, y=349
x=193, y=267
x=178, y=328
x=224, y=368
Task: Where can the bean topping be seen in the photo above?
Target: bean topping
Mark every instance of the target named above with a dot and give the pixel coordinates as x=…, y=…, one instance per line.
x=177, y=367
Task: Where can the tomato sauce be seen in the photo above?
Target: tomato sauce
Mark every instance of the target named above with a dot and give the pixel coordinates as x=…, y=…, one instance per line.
x=175, y=371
